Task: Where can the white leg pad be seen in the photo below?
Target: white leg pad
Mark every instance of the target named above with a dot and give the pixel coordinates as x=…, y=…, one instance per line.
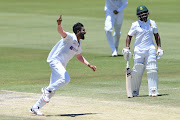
x=137, y=73
x=39, y=104
x=152, y=74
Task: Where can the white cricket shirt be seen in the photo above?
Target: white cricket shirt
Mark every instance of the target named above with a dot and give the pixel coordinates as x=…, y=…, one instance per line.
x=143, y=32
x=65, y=49
x=118, y=5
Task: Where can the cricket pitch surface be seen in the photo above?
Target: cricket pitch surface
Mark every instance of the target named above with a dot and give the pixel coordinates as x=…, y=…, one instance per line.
x=17, y=105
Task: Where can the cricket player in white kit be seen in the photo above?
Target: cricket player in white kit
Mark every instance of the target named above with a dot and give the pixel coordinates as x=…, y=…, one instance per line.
x=144, y=51
x=58, y=58
x=114, y=19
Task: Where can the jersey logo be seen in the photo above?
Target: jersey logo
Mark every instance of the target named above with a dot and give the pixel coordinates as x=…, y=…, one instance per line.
x=72, y=48
x=74, y=43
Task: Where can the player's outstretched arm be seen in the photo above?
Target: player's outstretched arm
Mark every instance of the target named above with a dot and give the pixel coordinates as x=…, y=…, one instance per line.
x=84, y=61
x=59, y=27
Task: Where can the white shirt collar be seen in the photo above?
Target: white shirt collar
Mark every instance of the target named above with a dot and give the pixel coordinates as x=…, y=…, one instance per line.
x=142, y=22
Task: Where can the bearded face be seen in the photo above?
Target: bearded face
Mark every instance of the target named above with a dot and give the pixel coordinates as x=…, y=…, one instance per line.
x=82, y=33
x=143, y=16
x=82, y=36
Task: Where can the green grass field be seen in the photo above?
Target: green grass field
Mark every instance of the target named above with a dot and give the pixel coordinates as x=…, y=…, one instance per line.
x=28, y=32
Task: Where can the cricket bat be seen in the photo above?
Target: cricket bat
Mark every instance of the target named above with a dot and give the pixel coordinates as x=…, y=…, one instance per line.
x=128, y=80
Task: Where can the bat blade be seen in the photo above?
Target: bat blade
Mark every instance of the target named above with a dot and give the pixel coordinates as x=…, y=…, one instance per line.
x=128, y=82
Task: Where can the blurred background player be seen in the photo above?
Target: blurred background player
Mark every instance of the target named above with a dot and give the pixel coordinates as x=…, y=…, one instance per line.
x=58, y=58
x=114, y=19
x=144, y=51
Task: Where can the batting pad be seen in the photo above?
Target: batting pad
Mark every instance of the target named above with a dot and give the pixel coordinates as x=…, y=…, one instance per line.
x=40, y=103
x=152, y=74
x=137, y=73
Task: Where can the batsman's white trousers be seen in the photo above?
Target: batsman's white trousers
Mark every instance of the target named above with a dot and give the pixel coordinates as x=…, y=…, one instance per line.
x=59, y=76
x=142, y=56
x=113, y=20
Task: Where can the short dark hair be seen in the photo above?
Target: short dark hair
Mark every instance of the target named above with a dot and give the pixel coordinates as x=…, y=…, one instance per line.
x=77, y=27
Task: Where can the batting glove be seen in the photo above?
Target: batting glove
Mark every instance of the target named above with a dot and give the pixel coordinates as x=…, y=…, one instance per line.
x=159, y=53
x=126, y=53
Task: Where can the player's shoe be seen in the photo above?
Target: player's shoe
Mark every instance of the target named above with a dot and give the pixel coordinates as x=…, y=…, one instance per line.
x=36, y=111
x=135, y=93
x=47, y=94
x=114, y=54
x=154, y=93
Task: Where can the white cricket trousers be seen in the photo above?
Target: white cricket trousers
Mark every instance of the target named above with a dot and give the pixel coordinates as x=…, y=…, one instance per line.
x=113, y=20
x=142, y=56
x=59, y=76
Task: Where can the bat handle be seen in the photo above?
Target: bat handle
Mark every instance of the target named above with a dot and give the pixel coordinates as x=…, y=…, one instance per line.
x=127, y=64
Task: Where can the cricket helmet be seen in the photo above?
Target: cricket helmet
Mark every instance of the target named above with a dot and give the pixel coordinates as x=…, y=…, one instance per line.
x=141, y=8
x=142, y=13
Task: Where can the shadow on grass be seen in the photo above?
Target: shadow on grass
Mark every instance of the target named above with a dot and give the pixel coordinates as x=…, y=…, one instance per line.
x=72, y=115
x=119, y=55
x=148, y=95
